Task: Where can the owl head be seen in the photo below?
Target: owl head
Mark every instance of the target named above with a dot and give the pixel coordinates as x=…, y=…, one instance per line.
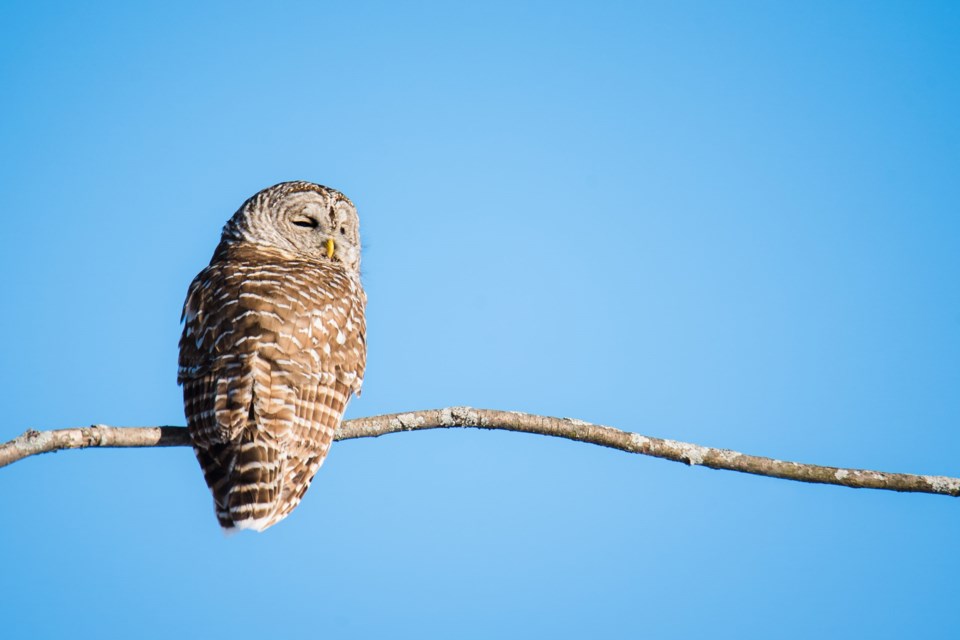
x=303, y=219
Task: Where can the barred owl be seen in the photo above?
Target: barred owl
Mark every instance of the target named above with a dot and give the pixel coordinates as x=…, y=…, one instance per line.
x=273, y=347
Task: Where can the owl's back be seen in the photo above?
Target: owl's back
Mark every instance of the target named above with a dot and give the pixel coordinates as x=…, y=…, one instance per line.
x=271, y=351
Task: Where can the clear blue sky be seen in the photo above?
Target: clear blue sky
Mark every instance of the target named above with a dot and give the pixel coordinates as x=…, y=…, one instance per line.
x=730, y=223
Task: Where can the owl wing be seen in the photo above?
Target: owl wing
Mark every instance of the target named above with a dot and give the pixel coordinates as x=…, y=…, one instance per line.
x=329, y=335
x=218, y=350
x=269, y=356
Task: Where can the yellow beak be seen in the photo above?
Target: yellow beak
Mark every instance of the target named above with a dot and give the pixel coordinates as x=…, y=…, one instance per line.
x=330, y=247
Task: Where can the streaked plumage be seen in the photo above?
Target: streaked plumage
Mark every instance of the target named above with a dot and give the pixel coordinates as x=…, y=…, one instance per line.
x=273, y=347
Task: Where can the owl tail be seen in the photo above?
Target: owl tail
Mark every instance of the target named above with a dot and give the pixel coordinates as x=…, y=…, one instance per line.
x=254, y=486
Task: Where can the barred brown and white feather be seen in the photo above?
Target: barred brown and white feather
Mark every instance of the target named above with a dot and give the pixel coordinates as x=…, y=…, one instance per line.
x=273, y=347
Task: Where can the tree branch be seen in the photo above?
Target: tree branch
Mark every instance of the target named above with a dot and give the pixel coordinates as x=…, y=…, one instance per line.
x=36, y=442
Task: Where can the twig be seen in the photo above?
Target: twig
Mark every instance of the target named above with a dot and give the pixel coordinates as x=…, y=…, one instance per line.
x=35, y=442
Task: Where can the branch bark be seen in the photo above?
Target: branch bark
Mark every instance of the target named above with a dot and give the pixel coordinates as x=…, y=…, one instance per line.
x=36, y=442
